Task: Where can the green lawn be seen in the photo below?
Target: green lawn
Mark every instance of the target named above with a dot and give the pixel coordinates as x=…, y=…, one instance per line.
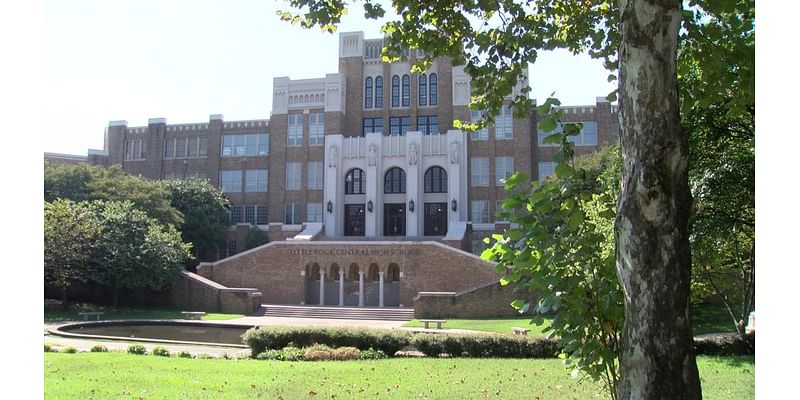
x=55, y=316
x=123, y=376
x=709, y=318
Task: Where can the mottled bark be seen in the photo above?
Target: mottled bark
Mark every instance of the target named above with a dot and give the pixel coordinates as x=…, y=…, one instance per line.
x=653, y=258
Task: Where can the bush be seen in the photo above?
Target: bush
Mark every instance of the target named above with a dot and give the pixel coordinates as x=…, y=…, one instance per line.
x=292, y=353
x=346, y=353
x=264, y=338
x=501, y=346
x=204, y=356
x=99, y=348
x=275, y=355
x=48, y=348
x=184, y=354
x=70, y=350
x=160, y=351
x=137, y=349
x=318, y=352
x=372, y=354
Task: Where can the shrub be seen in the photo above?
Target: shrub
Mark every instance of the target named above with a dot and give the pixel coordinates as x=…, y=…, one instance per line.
x=137, y=349
x=346, y=353
x=275, y=355
x=160, y=351
x=48, y=348
x=505, y=346
x=292, y=353
x=204, y=356
x=184, y=354
x=70, y=350
x=318, y=352
x=372, y=354
x=264, y=338
x=99, y=348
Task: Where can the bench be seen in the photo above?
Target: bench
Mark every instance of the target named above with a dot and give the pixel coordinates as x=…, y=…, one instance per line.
x=87, y=314
x=438, y=322
x=193, y=314
x=520, y=331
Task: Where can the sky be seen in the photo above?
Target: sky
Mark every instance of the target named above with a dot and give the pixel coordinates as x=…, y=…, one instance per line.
x=185, y=60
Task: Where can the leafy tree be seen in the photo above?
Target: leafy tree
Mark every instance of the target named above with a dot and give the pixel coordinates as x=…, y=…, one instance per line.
x=205, y=212
x=255, y=237
x=71, y=232
x=68, y=181
x=135, y=251
x=563, y=249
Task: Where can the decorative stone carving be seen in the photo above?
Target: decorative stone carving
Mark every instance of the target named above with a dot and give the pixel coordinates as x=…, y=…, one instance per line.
x=373, y=155
x=412, y=154
x=454, y=147
x=333, y=154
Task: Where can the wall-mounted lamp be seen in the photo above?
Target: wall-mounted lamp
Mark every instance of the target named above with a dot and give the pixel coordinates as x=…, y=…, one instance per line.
x=330, y=206
x=411, y=205
x=454, y=205
x=369, y=206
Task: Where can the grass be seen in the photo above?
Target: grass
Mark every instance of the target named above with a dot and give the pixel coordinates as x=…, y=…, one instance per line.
x=123, y=376
x=707, y=318
x=55, y=316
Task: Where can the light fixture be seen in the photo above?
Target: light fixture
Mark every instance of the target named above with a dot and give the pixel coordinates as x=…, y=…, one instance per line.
x=369, y=206
x=411, y=205
x=330, y=206
x=454, y=205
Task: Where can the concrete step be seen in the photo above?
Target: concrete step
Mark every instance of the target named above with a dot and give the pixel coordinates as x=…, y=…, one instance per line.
x=334, y=312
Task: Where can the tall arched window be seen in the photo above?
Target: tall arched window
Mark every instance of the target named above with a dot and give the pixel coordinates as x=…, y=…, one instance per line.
x=406, y=90
x=423, y=90
x=368, y=93
x=378, y=91
x=395, y=91
x=354, y=181
x=394, y=181
x=433, y=81
x=435, y=180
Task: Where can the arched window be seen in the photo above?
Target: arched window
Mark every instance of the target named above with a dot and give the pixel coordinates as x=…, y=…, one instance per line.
x=372, y=273
x=393, y=273
x=406, y=90
x=435, y=180
x=378, y=92
x=352, y=275
x=394, y=181
x=433, y=90
x=423, y=90
x=314, y=272
x=354, y=181
x=395, y=91
x=368, y=93
x=333, y=273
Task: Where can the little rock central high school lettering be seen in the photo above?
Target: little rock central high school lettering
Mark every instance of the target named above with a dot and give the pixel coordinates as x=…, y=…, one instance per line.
x=355, y=252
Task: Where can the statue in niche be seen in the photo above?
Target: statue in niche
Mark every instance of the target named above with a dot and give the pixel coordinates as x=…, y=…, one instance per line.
x=373, y=155
x=333, y=154
x=412, y=154
x=454, y=147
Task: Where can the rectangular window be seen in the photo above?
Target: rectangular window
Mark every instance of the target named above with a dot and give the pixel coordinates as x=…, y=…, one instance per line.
x=615, y=129
x=191, y=147
x=169, y=148
x=230, y=181
x=546, y=168
x=316, y=128
x=480, y=211
x=428, y=124
x=294, y=175
x=202, y=148
x=255, y=180
x=480, y=171
x=180, y=148
x=255, y=144
x=295, y=133
x=482, y=134
x=292, y=215
x=231, y=247
x=503, y=168
x=588, y=135
x=185, y=147
x=135, y=150
x=542, y=135
x=314, y=212
x=372, y=125
x=250, y=214
x=236, y=214
x=315, y=177
x=261, y=215
x=399, y=126
x=503, y=124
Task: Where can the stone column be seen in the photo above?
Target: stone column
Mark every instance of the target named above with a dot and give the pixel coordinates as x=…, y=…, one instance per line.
x=380, y=289
x=321, y=287
x=341, y=288
x=361, y=288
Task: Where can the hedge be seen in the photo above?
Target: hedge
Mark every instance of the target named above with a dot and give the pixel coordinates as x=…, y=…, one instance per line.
x=390, y=341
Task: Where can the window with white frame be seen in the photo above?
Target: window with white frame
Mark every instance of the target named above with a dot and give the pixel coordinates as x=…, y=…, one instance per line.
x=378, y=92
x=399, y=126
x=588, y=135
x=255, y=180
x=371, y=125
x=295, y=130
x=433, y=90
x=428, y=124
x=406, y=100
x=230, y=181
x=135, y=149
x=292, y=214
x=480, y=211
x=368, y=93
x=481, y=134
x=395, y=91
x=504, y=124
x=423, y=90
x=253, y=144
x=546, y=168
x=235, y=215
x=503, y=168
x=316, y=129
x=479, y=175
x=256, y=215
x=294, y=175
x=314, y=212
x=315, y=178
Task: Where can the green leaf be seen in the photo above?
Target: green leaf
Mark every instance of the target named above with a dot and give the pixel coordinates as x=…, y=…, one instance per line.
x=564, y=171
x=555, y=138
x=547, y=124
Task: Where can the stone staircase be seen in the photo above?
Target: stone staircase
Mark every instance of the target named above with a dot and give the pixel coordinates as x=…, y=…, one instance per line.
x=335, y=312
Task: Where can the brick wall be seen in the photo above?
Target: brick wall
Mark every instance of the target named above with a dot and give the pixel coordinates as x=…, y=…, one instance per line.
x=192, y=292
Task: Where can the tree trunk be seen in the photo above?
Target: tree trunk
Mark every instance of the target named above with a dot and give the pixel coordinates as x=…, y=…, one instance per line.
x=64, y=302
x=653, y=258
